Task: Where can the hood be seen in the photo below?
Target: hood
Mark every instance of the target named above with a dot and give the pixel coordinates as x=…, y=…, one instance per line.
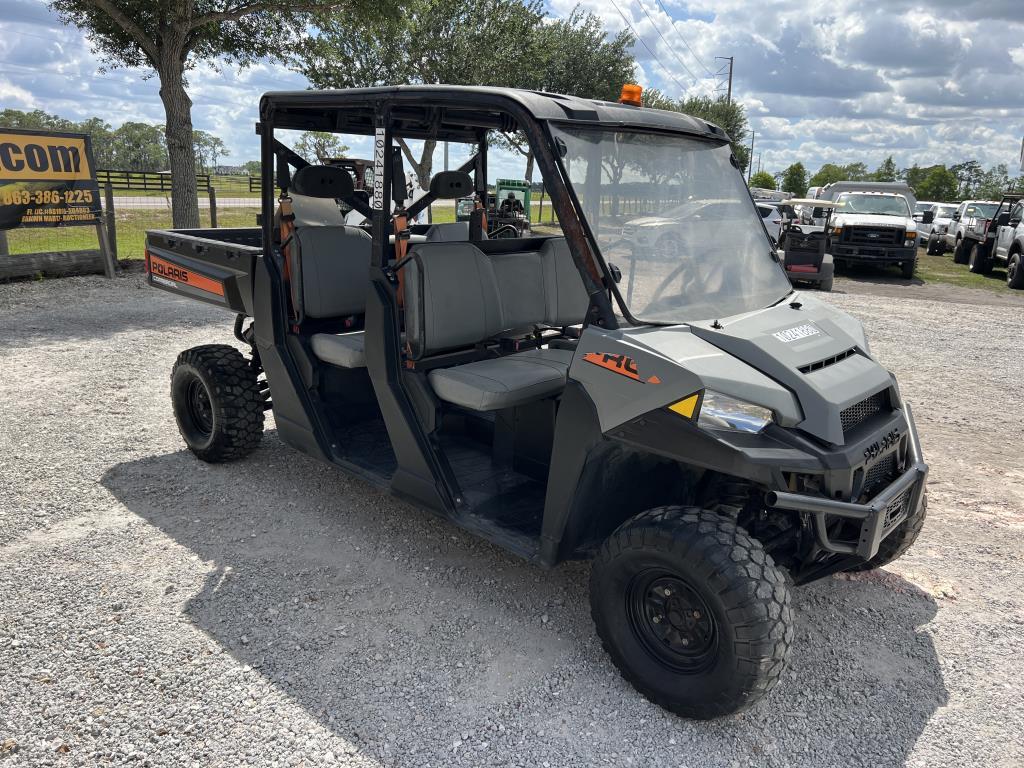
x=648, y=221
x=871, y=220
x=816, y=351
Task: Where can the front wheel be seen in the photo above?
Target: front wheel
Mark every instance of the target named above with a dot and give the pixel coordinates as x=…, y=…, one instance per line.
x=1015, y=272
x=217, y=402
x=933, y=246
x=907, y=269
x=960, y=252
x=978, y=261
x=692, y=610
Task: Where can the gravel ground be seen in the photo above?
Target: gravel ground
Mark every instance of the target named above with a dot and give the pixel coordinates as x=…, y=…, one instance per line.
x=158, y=611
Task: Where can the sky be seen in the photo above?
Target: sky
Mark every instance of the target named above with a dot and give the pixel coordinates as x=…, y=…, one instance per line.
x=823, y=80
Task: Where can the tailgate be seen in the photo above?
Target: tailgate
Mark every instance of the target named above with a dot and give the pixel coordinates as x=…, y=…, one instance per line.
x=211, y=265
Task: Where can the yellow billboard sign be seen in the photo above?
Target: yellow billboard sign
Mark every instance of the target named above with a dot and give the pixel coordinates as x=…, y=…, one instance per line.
x=35, y=157
x=47, y=179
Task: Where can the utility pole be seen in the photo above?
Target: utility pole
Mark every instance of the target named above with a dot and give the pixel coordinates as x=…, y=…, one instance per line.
x=750, y=160
x=731, y=60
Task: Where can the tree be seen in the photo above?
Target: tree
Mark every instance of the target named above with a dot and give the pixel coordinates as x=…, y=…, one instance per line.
x=886, y=171
x=574, y=56
x=939, y=185
x=728, y=115
x=830, y=172
x=762, y=179
x=993, y=183
x=207, y=148
x=969, y=177
x=476, y=42
x=253, y=167
x=318, y=146
x=794, y=179
x=138, y=147
x=171, y=38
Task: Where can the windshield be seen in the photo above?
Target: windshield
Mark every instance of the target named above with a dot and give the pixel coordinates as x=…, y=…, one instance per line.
x=673, y=215
x=944, y=211
x=982, y=210
x=886, y=205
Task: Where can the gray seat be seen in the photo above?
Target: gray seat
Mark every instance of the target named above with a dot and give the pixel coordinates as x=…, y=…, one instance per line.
x=333, y=268
x=457, y=296
x=346, y=350
x=504, y=382
x=449, y=233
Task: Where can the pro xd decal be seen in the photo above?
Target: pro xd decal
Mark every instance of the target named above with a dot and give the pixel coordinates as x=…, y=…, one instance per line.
x=621, y=364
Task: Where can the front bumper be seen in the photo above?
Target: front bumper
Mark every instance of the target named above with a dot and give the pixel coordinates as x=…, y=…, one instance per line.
x=878, y=517
x=865, y=254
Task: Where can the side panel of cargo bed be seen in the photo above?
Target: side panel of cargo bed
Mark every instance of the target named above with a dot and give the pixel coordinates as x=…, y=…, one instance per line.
x=211, y=265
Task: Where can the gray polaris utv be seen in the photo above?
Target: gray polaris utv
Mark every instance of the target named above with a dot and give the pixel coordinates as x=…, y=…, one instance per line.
x=705, y=434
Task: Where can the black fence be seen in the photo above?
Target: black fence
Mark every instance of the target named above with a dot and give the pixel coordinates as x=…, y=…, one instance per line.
x=144, y=181
x=256, y=184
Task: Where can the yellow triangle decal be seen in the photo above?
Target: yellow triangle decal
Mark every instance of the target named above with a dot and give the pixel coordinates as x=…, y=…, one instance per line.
x=686, y=406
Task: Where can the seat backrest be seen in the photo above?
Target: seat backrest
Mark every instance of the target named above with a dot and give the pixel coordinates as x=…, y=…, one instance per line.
x=316, y=211
x=456, y=232
x=451, y=298
x=456, y=295
x=334, y=270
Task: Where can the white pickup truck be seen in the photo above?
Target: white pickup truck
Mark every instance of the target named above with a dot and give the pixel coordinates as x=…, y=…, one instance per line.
x=873, y=224
x=997, y=240
x=971, y=213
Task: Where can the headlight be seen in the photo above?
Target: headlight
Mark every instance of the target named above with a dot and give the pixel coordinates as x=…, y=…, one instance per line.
x=719, y=411
x=911, y=237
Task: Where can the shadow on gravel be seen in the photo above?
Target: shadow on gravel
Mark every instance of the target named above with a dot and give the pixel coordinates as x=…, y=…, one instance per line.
x=414, y=642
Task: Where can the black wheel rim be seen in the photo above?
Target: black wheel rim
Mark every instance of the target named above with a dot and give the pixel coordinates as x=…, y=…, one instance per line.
x=672, y=621
x=197, y=403
x=1011, y=270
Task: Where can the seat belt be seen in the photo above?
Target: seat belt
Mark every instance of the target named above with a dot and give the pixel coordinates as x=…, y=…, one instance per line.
x=287, y=234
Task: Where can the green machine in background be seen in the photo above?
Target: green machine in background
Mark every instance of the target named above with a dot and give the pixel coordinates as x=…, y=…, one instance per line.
x=508, y=213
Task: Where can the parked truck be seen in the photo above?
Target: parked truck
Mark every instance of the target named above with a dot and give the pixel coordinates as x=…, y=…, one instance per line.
x=997, y=240
x=873, y=224
x=968, y=214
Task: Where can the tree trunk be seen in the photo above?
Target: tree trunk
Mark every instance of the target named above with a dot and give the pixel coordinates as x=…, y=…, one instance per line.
x=180, y=152
x=424, y=167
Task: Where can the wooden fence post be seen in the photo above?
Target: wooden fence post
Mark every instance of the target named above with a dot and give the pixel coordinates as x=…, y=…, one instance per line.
x=108, y=194
x=213, y=206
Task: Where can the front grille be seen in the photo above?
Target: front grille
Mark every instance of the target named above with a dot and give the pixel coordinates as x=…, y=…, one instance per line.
x=880, y=474
x=896, y=510
x=858, y=412
x=872, y=236
x=817, y=366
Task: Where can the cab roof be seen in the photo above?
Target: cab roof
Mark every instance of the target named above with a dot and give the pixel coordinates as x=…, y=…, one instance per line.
x=460, y=112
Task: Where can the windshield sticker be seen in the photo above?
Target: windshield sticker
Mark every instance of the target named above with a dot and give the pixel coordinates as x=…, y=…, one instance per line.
x=620, y=364
x=796, y=333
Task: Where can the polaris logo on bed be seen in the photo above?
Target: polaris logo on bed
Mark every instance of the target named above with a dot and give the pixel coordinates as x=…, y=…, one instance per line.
x=796, y=333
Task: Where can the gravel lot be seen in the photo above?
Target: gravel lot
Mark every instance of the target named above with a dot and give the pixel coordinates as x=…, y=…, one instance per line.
x=158, y=611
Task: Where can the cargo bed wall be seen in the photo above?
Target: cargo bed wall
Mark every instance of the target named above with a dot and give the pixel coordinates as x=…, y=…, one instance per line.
x=211, y=265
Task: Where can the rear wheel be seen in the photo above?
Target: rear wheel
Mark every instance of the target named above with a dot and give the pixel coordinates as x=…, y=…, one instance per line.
x=933, y=246
x=960, y=252
x=900, y=540
x=978, y=261
x=217, y=402
x=692, y=611
x=1015, y=272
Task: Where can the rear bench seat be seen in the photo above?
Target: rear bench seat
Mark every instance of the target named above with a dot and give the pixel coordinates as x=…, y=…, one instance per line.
x=457, y=296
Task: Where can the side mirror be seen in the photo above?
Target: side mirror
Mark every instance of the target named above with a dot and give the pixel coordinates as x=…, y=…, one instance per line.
x=616, y=273
x=818, y=213
x=955, y=217
x=919, y=217
x=928, y=217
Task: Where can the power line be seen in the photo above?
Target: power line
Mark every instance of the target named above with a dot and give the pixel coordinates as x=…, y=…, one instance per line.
x=667, y=43
x=692, y=53
x=645, y=45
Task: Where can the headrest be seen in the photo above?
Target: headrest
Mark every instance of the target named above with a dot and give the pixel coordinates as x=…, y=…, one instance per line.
x=322, y=181
x=449, y=185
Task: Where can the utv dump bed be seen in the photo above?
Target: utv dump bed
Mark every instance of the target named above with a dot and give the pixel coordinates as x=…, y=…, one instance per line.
x=211, y=265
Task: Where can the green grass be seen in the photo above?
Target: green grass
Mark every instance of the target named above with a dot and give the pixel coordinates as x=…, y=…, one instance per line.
x=131, y=231
x=941, y=269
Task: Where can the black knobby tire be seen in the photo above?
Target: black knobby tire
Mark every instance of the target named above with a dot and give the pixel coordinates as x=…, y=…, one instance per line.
x=1015, y=271
x=977, y=261
x=907, y=269
x=722, y=644
x=899, y=541
x=217, y=402
x=960, y=252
